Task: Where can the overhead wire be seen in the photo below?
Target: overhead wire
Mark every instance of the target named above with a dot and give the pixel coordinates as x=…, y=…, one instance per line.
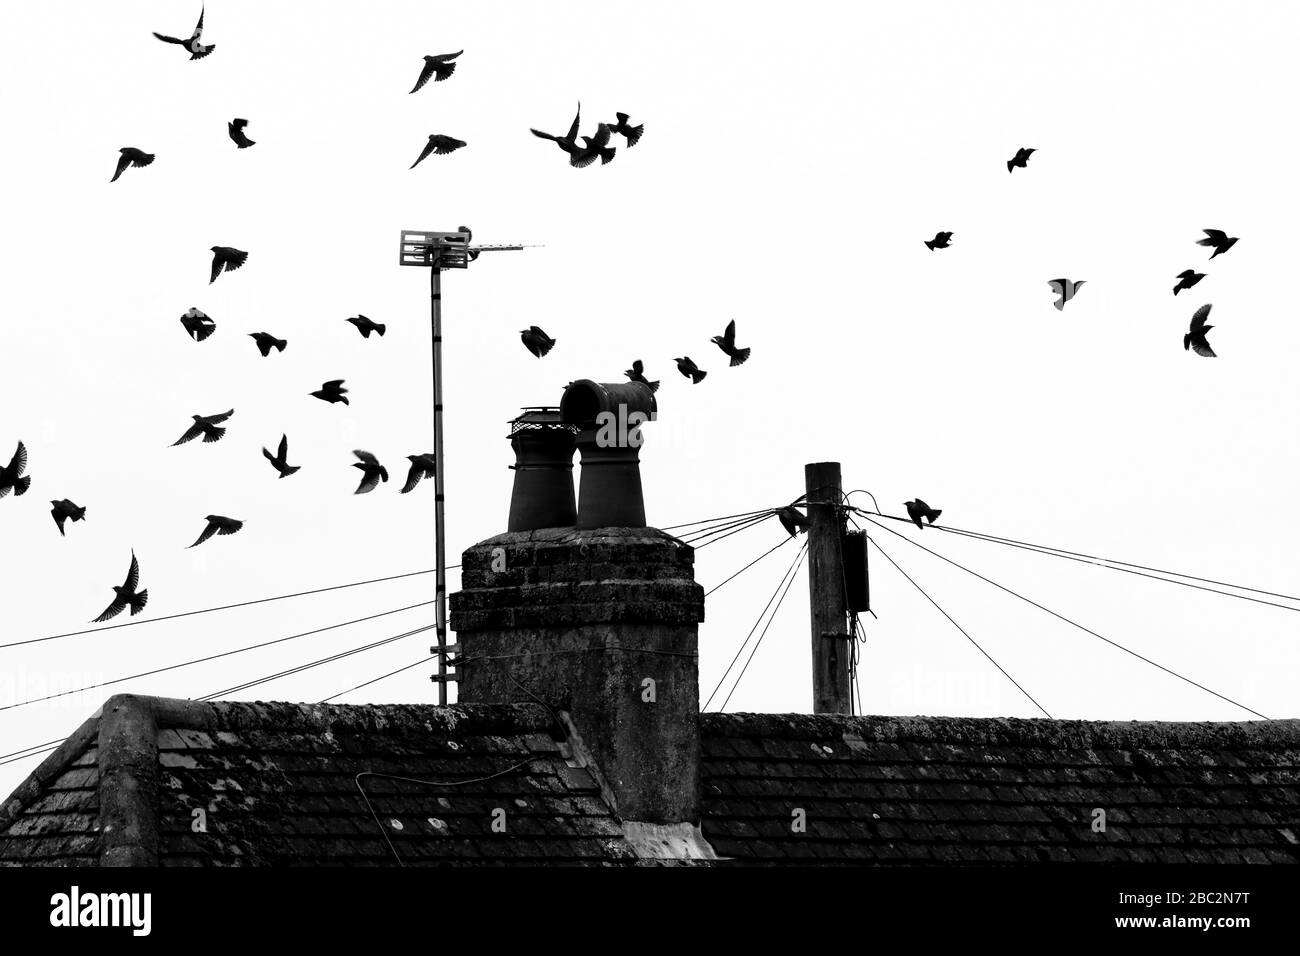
x=1113, y=564
x=317, y=663
x=211, y=657
x=223, y=607
x=963, y=630
x=740, y=650
x=771, y=618
x=1067, y=620
x=770, y=550
x=376, y=680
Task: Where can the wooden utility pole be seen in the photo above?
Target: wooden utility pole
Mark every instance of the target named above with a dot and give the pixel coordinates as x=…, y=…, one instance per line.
x=826, y=598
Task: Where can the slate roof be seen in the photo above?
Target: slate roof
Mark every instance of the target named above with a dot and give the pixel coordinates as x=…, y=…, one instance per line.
x=278, y=785
x=940, y=790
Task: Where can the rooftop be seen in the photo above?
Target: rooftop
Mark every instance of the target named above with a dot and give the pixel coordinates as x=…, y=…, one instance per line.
x=195, y=783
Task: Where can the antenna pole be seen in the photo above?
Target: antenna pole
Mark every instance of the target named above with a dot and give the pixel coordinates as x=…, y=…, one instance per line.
x=440, y=540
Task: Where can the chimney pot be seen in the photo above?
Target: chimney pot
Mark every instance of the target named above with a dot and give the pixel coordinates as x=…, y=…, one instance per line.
x=609, y=417
x=543, y=489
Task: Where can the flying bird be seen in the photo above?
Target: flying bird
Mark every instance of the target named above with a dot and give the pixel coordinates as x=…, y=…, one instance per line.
x=217, y=524
x=597, y=148
x=941, y=240
x=1065, y=289
x=194, y=43
x=65, y=509
x=236, y=128
x=209, y=426
x=131, y=157
x=127, y=595
x=569, y=141
x=198, y=324
x=422, y=466
x=1186, y=279
x=630, y=133
x=793, y=520
x=918, y=509
x=1217, y=238
x=442, y=145
x=280, y=460
x=438, y=67
x=536, y=341
x=372, y=472
x=1195, y=339
x=365, y=326
x=266, y=341
x=227, y=258
x=332, y=391
x=1021, y=158
x=727, y=342
x=690, y=370
x=637, y=374
x=12, y=477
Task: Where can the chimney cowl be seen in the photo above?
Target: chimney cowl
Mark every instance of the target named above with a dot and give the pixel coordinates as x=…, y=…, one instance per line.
x=610, y=416
x=542, y=496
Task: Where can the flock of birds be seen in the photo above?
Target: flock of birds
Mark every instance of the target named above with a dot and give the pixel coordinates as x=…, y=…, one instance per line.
x=582, y=151
x=1195, y=337
x=540, y=344
x=200, y=326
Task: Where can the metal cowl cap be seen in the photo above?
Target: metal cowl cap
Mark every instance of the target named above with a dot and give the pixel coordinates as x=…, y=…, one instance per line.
x=543, y=489
x=609, y=418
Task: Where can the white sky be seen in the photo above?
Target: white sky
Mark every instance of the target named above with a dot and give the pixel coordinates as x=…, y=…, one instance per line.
x=793, y=162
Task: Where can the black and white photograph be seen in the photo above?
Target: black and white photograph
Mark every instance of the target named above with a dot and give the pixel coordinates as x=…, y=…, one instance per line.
x=840, y=441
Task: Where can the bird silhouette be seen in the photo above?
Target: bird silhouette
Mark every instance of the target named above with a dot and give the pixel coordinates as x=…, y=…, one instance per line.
x=332, y=391
x=442, y=145
x=372, y=472
x=126, y=595
x=266, y=341
x=1217, y=238
x=630, y=133
x=1186, y=279
x=365, y=326
x=422, y=466
x=727, y=342
x=198, y=324
x=63, y=510
x=569, y=141
x=217, y=524
x=1065, y=289
x=12, y=477
x=1195, y=339
x=637, y=374
x=206, y=425
x=438, y=67
x=236, y=129
x=1021, y=158
x=131, y=157
x=918, y=509
x=690, y=370
x=597, y=148
x=941, y=240
x=226, y=258
x=793, y=520
x=280, y=460
x=536, y=341
x=194, y=44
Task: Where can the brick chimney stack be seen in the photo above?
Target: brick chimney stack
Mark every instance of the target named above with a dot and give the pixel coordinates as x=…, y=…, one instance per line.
x=600, y=624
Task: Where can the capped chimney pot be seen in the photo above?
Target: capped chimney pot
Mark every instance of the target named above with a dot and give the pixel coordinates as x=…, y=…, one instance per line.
x=609, y=417
x=543, y=490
